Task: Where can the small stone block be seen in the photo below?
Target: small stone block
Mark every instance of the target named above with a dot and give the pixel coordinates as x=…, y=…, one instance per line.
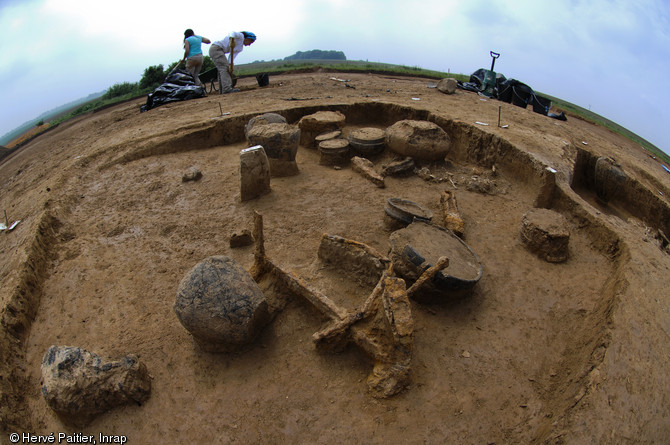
x=546, y=233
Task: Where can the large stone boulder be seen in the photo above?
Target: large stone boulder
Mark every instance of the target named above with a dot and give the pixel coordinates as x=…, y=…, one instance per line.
x=78, y=385
x=447, y=85
x=280, y=142
x=254, y=173
x=418, y=139
x=221, y=305
x=263, y=119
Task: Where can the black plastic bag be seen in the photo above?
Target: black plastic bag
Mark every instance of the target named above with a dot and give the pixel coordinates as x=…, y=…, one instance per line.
x=180, y=78
x=560, y=116
x=178, y=86
x=477, y=80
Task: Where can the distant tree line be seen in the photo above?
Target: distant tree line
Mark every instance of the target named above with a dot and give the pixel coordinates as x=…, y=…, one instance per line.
x=317, y=54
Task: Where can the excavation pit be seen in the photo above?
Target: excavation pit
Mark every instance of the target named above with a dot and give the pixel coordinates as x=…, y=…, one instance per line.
x=492, y=346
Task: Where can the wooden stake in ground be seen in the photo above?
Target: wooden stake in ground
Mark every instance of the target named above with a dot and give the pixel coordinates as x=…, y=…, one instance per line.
x=452, y=218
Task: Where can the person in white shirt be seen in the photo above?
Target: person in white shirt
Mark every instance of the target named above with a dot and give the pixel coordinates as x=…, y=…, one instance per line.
x=232, y=44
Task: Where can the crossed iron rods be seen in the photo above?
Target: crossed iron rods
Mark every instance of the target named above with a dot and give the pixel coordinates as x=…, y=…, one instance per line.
x=383, y=326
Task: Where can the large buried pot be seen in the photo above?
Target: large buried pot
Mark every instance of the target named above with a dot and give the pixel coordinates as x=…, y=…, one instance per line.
x=418, y=247
x=368, y=141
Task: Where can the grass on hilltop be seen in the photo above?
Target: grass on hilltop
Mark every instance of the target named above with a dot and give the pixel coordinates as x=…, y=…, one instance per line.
x=588, y=115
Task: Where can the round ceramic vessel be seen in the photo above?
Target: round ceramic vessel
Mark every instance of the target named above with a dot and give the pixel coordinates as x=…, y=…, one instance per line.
x=367, y=141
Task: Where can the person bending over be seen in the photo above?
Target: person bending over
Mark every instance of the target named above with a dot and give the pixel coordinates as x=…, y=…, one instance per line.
x=232, y=44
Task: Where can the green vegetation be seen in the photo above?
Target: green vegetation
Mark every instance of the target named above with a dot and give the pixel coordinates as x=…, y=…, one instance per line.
x=345, y=66
x=120, y=89
x=46, y=117
x=4, y=152
x=152, y=77
x=115, y=94
x=207, y=64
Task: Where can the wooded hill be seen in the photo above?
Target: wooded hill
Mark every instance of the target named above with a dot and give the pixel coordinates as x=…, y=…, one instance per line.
x=317, y=54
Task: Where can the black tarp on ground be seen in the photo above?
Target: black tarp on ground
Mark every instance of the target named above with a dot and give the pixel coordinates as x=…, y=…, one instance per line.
x=512, y=91
x=177, y=86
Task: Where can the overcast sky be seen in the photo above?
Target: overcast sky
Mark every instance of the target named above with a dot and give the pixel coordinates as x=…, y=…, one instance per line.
x=610, y=56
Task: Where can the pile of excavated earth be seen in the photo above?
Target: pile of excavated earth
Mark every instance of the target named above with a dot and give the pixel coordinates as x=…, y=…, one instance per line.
x=370, y=259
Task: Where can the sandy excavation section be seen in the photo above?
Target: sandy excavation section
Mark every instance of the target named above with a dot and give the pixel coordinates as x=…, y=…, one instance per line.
x=539, y=352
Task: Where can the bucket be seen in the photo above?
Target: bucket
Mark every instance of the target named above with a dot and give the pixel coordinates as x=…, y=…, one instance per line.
x=521, y=96
x=541, y=104
x=263, y=79
x=505, y=93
